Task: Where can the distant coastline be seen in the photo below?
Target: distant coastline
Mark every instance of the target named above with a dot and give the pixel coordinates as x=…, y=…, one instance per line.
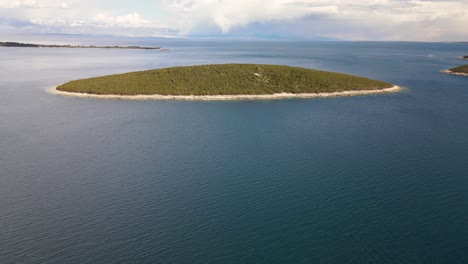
x=275, y=96
x=31, y=45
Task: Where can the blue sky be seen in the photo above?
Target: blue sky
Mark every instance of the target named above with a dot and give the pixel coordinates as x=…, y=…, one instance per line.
x=422, y=20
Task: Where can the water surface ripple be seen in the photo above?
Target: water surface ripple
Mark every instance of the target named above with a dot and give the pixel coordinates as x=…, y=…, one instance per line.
x=372, y=179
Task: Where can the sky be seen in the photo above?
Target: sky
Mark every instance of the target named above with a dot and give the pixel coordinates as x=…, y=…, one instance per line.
x=396, y=20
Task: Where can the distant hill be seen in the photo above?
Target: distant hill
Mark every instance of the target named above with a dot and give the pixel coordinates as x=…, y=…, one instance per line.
x=30, y=45
x=17, y=44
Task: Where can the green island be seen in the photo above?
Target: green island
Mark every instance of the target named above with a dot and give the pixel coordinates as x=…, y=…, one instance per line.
x=460, y=70
x=226, y=80
x=31, y=45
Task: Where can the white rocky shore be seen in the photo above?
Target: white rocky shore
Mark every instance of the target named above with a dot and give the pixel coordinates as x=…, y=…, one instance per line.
x=230, y=97
x=455, y=73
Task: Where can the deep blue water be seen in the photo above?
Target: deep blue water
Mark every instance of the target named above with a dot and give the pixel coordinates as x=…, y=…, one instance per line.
x=372, y=179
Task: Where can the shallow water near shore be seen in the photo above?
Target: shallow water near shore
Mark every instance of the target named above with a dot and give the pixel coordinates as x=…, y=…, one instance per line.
x=368, y=179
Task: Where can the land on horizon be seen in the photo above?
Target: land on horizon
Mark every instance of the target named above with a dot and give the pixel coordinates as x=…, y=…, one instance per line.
x=31, y=45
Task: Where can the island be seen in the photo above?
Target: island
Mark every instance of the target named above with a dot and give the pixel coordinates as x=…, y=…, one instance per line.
x=460, y=70
x=30, y=45
x=224, y=82
x=464, y=57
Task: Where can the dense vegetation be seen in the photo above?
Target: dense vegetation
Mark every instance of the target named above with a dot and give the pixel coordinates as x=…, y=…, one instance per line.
x=460, y=69
x=224, y=79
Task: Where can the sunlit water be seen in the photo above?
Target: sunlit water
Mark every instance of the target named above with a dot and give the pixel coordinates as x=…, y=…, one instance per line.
x=372, y=179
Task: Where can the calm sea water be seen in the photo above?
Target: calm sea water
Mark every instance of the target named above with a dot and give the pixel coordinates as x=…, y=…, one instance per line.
x=373, y=179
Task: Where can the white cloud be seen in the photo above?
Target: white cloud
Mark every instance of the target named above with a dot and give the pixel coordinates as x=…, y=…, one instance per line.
x=131, y=24
x=351, y=19
x=64, y=5
x=75, y=17
x=347, y=19
x=130, y=20
x=36, y=4
x=228, y=14
x=19, y=4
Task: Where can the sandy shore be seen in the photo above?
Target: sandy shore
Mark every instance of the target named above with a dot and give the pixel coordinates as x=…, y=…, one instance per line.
x=229, y=97
x=455, y=73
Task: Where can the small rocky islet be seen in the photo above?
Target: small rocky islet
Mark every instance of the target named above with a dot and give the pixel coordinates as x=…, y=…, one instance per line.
x=226, y=80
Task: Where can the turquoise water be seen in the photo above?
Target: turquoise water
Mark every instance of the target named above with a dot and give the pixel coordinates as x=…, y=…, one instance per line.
x=372, y=179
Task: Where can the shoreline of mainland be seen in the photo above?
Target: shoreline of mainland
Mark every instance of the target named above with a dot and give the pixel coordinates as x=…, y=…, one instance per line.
x=275, y=96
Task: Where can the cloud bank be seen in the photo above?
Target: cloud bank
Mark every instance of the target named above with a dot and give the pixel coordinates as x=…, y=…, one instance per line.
x=426, y=20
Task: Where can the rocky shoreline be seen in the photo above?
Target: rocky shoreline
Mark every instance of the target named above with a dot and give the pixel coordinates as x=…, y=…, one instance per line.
x=454, y=73
x=230, y=97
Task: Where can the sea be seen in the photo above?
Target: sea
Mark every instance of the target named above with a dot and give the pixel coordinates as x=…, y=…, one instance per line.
x=367, y=179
